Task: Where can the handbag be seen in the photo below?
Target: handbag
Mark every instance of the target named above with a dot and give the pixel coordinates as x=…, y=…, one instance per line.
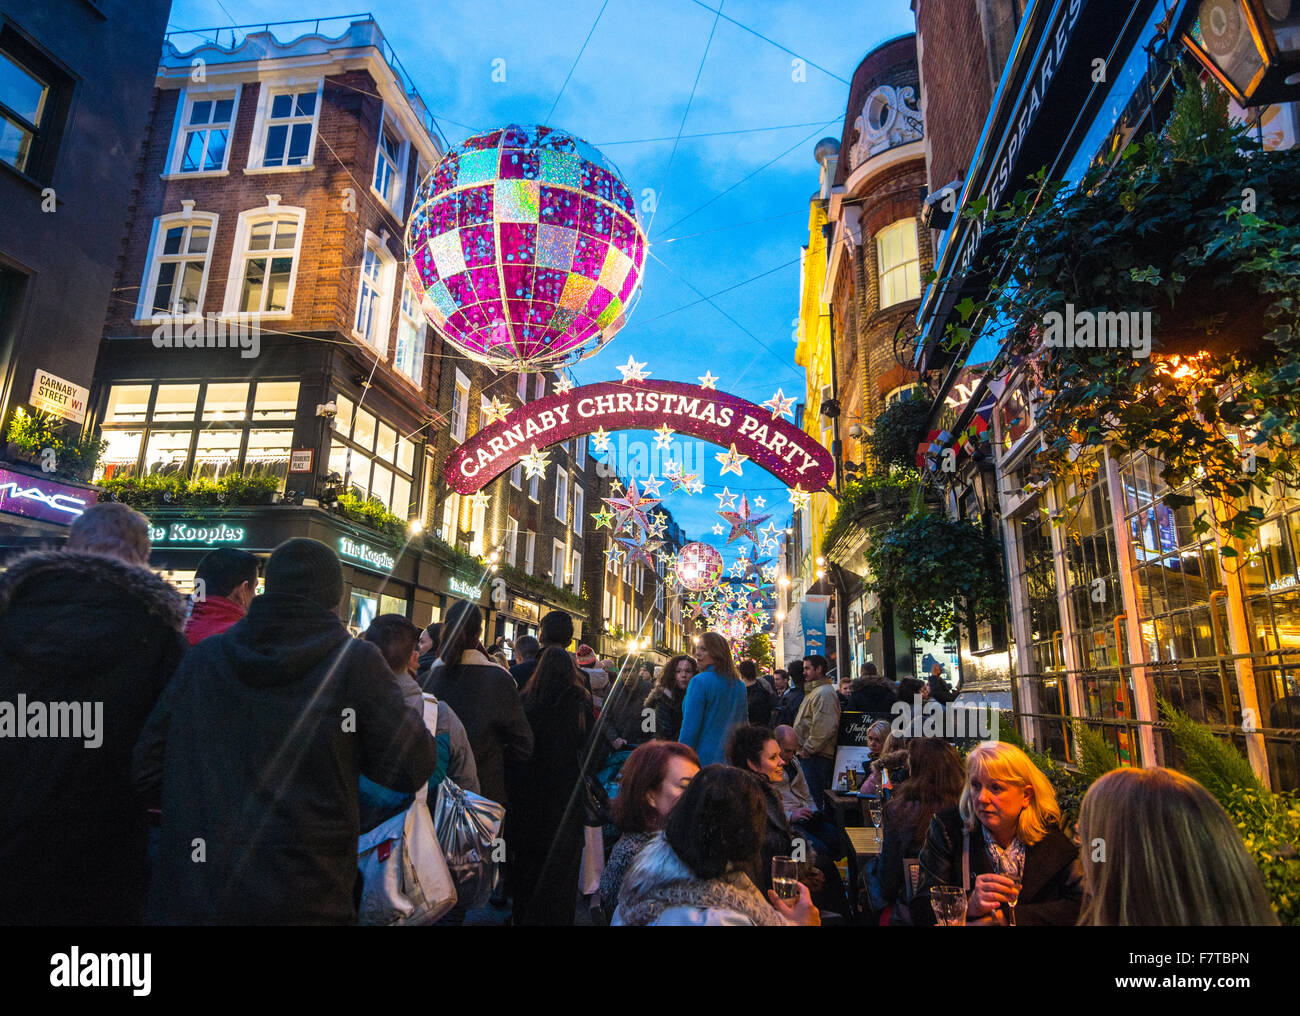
x=405, y=879
x=467, y=827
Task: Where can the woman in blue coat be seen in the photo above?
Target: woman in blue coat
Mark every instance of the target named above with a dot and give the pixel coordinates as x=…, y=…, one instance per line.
x=715, y=702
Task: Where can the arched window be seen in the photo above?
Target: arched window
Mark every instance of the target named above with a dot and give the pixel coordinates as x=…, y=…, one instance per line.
x=900, y=263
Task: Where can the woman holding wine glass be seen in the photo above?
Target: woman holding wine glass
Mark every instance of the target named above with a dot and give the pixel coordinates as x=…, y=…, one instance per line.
x=1003, y=845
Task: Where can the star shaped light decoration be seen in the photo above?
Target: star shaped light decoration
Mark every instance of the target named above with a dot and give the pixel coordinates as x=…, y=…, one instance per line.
x=769, y=531
x=480, y=500
x=663, y=436
x=646, y=488
x=641, y=551
x=632, y=371
x=697, y=487
x=709, y=381
x=680, y=480
x=616, y=487
x=719, y=529
x=600, y=440
x=731, y=460
x=535, y=463
x=656, y=528
x=726, y=499
x=615, y=556
x=495, y=411
x=743, y=521
x=799, y=497
x=769, y=573
x=564, y=385
x=632, y=507
x=780, y=405
x=737, y=569
x=603, y=518
x=760, y=502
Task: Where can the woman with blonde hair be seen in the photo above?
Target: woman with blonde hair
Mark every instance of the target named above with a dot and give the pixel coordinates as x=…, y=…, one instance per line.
x=1159, y=850
x=1003, y=844
x=715, y=702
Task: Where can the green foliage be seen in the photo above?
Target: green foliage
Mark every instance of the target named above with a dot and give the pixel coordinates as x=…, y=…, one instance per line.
x=926, y=564
x=1270, y=830
x=758, y=647
x=897, y=432
x=174, y=491
x=76, y=455
x=372, y=512
x=893, y=491
x=1212, y=761
x=564, y=597
x=1094, y=757
x=1201, y=227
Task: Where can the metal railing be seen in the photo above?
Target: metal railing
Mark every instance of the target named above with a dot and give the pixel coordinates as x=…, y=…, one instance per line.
x=238, y=33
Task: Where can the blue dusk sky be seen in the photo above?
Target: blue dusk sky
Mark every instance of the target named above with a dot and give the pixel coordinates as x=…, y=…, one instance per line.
x=727, y=207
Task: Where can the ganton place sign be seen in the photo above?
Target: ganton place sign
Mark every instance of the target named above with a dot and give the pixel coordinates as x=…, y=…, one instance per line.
x=777, y=446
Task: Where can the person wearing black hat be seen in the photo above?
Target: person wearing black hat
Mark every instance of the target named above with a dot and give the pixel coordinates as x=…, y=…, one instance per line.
x=267, y=728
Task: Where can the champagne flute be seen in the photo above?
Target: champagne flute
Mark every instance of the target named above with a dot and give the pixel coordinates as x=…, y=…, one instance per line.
x=785, y=877
x=949, y=905
x=1017, y=881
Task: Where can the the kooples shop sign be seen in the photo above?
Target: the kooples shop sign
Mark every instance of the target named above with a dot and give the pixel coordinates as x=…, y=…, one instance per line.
x=46, y=500
x=776, y=445
x=205, y=533
x=366, y=554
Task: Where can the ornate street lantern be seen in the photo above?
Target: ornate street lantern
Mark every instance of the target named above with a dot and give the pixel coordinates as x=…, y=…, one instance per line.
x=1251, y=46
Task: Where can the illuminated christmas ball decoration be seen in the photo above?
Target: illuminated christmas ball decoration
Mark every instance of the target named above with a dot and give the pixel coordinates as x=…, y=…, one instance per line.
x=698, y=567
x=525, y=249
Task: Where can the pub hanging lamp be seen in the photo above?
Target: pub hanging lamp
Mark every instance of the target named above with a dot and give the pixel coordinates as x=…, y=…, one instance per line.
x=1252, y=47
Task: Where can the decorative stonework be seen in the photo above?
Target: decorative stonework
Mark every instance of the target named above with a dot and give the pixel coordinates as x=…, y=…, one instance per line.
x=890, y=117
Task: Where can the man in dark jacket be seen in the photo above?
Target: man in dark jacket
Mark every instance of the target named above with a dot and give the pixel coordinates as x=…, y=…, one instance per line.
x=526, y=650
x=788, y=708
x=267, y=729
x=88, y=638
x=871, y=693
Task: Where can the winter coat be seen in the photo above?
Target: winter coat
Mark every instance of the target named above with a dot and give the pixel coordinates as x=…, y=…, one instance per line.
x=788, y=707
x=758, y=703
x=871, y=695
x=899, y=842
x=660, y=890
x=78, y=628
x=459, y=765
x=623, y=711
x=486, y=699
x=264, y=733
x=817, y=724
x=1051, y=889
x=714, y=706
x=616, y=868
x=793, y=789
x=668, y=714
x=541, y=788
x=522, y=671
x=211, y=616
x=895, y=763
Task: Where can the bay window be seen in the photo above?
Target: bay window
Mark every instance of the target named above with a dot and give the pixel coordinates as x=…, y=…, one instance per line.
x=372, y=459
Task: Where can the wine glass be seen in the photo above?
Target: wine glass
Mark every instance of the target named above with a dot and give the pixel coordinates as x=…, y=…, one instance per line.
x=876, y=812
x=949, y=905
x=785, y=877
x=1017, y=881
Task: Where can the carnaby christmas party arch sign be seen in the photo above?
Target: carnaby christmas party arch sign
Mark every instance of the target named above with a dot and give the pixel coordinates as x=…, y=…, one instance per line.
x=751, y=431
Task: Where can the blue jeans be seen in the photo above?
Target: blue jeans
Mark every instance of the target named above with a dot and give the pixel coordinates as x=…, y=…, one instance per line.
x=817, y=770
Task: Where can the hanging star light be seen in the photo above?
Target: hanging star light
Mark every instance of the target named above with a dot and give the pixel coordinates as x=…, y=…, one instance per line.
x=737, y=569
x=769, y=573
x=656, y=528
x=638, y=551
x=663, y=436
x=731, y=460
x=780, y=405
x=743, y=522
x=495, y=411
x=646, y=488
x=799, y=498
x=603, y=518
x=697, y=487
x=632, y=371
x=726, y=499
x=535, y=463
x=616, y=487
x=633, y=506
x=480, y=500
x=769, y=531
x=564, y=385
x=614, y=555
x=600, y=440
x=719, y=529
x=709, y=381
x=678, y=479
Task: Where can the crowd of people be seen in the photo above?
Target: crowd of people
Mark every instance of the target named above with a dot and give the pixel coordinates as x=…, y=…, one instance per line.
x=248, y=740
